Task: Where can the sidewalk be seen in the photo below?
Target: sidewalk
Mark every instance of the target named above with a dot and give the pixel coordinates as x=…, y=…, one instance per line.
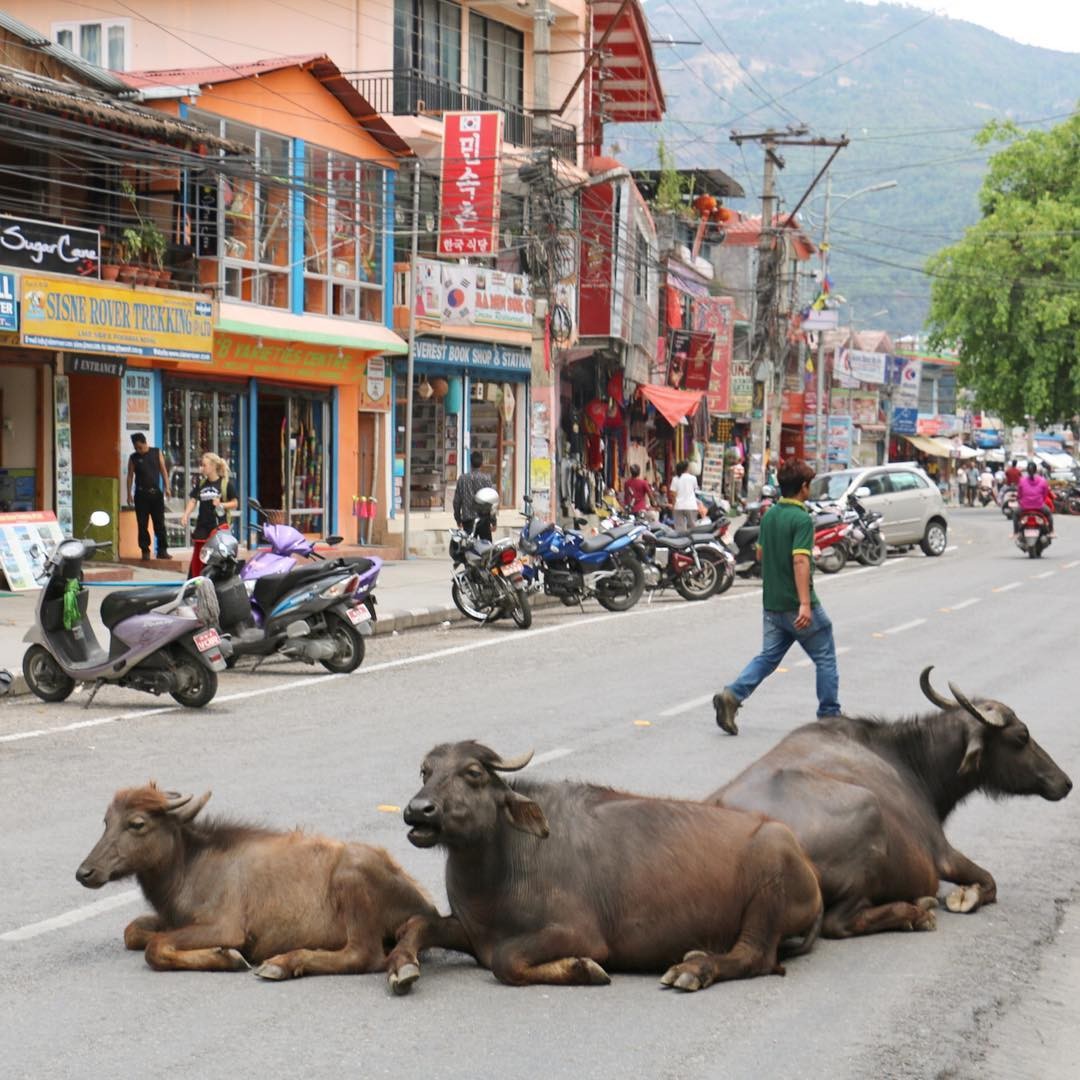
x=409, y=594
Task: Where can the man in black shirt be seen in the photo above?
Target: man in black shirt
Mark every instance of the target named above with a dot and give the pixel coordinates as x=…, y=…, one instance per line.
x=467, y=486
x=146, y=477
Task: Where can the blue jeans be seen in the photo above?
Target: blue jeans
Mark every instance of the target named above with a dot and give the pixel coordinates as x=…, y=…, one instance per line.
x=817, y=642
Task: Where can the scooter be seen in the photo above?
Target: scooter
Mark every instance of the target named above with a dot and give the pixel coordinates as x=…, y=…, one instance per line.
x=1033, y=536
x=832, y=529
x=488, y=577
x=565, y=564
x=161, y=642
x=304, y=613
x=743, y=544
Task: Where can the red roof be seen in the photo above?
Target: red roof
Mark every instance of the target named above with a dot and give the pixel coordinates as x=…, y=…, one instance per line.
x=318, y=64
x=631, y=84
x=746, y=232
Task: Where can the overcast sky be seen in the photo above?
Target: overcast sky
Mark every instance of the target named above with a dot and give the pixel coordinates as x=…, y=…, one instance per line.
x=1053, y=24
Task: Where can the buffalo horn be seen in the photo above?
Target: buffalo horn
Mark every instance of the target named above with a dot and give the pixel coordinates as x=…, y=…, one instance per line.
x=185, y=810
x=176, y=800
x=931, y=694
x=990, y=717
x=514, y=764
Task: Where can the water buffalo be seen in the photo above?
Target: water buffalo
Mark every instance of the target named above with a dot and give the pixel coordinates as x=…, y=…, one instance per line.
x=554, y=882
x=228, y=895
x=868, y=799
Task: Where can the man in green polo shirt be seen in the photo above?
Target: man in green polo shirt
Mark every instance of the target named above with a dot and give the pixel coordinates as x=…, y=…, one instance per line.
x=792, y=610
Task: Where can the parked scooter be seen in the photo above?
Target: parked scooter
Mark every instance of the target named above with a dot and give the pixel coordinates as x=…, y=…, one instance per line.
x=743, y=544
x=567, y=565
x=160, y=641
x=488, y=576
x=302, y=612
x=865, y=540
x=1033, y=536
x=832, y=528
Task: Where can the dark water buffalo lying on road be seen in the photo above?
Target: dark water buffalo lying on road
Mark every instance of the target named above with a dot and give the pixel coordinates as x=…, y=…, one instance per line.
x=227, y=895
x=554, y=882
x=868, y=799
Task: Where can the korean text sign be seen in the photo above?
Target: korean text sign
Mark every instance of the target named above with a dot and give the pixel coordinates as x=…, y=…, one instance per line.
x=471, y=183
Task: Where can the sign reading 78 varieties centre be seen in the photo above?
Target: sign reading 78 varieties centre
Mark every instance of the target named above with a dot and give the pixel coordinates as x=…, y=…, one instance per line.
x=91, y=318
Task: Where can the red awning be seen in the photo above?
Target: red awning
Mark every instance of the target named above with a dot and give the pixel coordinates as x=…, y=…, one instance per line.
x=673, y=405
x=630, y=90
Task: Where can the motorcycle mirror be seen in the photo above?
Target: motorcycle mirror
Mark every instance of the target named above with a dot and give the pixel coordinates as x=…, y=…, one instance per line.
x=862, y=492
x=333, y=541
x=99, y=519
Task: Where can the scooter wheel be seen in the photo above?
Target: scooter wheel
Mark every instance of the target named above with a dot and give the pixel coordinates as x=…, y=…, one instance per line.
x=44, y=675
x=348, y=645
x=200, y=683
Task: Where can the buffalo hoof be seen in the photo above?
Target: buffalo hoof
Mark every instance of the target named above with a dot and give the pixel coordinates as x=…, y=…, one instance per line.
x=401, y=980
x=238, y=961
x=964, y=899
x=689, y=975
x=273, y=972
x=694, y=954
x=926, y=921
x=594, y=973
x=927, y=903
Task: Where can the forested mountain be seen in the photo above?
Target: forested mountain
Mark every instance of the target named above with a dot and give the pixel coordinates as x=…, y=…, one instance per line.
x=910, y=89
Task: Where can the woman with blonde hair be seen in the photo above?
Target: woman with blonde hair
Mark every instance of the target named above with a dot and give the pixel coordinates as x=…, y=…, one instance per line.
x=214, y=496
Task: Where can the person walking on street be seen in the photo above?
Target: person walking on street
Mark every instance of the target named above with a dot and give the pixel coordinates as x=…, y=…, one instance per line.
x=792, y=611
x=972, y=483
x=148, y=488
x=638, y=493
x=684, y=490
x=465, y=490
x=214, y=496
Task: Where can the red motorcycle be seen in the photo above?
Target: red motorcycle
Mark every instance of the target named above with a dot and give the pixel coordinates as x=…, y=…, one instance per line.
x=830, y=540
x=1033, y=536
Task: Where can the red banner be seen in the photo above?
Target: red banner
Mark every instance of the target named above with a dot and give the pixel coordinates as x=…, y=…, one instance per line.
x=471, y=183
x=716, y=316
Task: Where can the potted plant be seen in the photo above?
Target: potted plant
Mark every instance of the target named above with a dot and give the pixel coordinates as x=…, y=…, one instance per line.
x=128, y=251
x=154, y=246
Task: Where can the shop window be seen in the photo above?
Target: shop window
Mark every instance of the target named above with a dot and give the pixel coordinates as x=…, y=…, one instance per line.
x=641, y=269
x=496, y=60
x=427, y=55
x=492, y=432
x=435, y=455
x=343, y=236
x=104, y=43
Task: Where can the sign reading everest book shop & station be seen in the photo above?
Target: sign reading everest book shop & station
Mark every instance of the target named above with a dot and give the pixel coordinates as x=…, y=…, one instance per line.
x=94, y=318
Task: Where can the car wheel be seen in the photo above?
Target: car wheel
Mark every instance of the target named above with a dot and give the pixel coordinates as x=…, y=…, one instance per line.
x=936, y=539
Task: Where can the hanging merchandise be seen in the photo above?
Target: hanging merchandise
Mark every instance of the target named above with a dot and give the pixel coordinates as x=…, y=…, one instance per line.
x=596, y=415
x=454, y=395
x=506, y=404
x=424, y=388
x=615, y=387
x=674, y=308
x=614, y=417
x=439, y=387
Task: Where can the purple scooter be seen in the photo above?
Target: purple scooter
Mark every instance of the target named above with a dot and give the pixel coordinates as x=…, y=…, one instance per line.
x=161, y=641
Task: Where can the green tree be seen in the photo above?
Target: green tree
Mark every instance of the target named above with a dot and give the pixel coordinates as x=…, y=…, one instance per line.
x=1007, y=296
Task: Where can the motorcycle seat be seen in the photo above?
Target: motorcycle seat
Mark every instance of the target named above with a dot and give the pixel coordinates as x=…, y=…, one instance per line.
x=821, y=520
x=268, y=589
x=598, y=542
x=123, y=603
x=674, y=543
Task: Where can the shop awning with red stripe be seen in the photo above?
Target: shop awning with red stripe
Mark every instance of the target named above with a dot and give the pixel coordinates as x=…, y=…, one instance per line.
x=673, y=405
x=631, y=85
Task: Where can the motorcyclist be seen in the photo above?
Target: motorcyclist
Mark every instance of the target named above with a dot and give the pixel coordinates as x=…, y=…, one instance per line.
x=1033, y=493
x=986, y=484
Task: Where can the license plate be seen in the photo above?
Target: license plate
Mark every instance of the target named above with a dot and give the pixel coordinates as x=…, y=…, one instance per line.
x=510, y=569
x=1031, y=534
x=207, y=640
x=357, y=614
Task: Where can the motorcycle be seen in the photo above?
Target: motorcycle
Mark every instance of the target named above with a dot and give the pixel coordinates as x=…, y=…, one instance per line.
x=1067, y=499
x=832, y=532
x=488, y=576
x=159, y=641
x=695, y=563
x=305, y=613
x=865, y=540
x=1007, y=500
x=743, y=543
x=986, y=495
x=567, y=565
x=1033, y=536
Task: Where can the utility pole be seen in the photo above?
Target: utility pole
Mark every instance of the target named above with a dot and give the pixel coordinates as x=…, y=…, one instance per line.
x=406, y=492
x=542, y=20
x=822, y=456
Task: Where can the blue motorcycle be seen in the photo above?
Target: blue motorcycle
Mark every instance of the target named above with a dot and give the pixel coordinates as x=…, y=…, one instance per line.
x=573, y=567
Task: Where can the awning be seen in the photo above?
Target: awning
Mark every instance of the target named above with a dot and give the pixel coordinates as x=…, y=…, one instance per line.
x=673, y=405
x=630, y=90
x=931, y=446
x=308, y=329
x=965, y=453
x=684, y=283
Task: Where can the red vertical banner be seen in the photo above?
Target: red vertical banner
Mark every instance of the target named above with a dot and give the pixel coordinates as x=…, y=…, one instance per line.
x=471, y=183
x=716, y=315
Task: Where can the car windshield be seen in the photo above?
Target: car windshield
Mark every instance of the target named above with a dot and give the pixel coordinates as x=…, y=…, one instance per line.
x=830, y=486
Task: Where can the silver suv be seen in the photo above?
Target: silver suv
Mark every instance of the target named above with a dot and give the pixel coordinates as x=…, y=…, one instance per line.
x=911, y=507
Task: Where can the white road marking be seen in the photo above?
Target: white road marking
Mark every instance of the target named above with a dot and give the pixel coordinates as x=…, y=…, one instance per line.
x=1070, y=565
x=549, y=755
x=69, y=918
x=905, y=626
x=1011, y=585
x=965, y=603
x=953, y=547
x=1044, y=574
x=687, y=706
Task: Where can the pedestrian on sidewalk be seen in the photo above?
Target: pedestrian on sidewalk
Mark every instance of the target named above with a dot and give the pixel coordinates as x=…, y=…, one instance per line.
x=148, y=488
x=638, y=493
x=792, y=611
x=972, y=484
x=214, y=496
x=465, y=490
x=684, y=491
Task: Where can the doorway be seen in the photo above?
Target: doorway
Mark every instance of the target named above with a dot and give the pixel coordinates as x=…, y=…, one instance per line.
x=367, y=449
x=293, y=434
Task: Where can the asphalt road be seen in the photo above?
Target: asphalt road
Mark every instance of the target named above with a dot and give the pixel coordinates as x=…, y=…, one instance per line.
x=622, y=700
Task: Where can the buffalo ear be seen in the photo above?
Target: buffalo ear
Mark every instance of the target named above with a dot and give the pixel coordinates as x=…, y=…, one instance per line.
x=525, y=815
x=972, y=756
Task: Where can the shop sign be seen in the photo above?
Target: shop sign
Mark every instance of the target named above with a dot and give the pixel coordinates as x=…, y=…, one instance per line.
x=864, y=409
x=691, y=358
x=27, y=539
x=9, y=303
x=471, y=354
x=455, y=295
x=92, y=318
x=43, y=246
x=742, y=387
x=861, y=366
x=471, y=183
x=137, y=413
x=906, y=375
x=376, y=377
x=840, y=437
x=65, y=482
x=112, y=366
x=716, y=314
x=904, y=420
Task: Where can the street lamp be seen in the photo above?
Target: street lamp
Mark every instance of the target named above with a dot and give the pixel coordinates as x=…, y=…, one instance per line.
x=819, y=425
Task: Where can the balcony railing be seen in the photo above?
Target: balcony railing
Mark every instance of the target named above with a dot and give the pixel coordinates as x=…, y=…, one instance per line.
x=411, y=93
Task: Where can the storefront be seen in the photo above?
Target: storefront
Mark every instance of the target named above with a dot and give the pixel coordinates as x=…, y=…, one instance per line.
x=467, y=396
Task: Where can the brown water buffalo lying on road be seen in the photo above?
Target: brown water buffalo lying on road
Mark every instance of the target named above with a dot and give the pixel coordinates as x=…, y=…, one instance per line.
x=554, y=882
x=868, y=800
x=227, y=895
